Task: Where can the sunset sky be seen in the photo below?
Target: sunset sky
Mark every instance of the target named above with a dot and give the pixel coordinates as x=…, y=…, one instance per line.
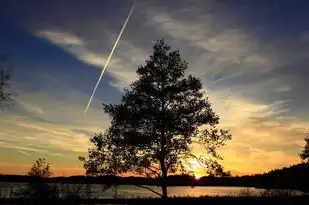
x=251, y=55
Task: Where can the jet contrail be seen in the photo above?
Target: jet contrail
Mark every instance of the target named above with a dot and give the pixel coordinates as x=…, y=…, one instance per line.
x=109, y=57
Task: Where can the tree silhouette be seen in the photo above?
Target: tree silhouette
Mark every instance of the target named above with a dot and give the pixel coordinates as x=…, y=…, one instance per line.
x=160, y=117
x=40, y=168
x=5, y=77
x=304, y=155
x=36, y=189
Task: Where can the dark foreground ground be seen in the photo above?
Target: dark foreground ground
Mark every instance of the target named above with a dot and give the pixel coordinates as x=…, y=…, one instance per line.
x=187, y=201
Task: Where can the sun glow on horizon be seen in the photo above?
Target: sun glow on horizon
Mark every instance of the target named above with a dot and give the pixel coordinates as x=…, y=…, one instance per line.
x=197, y=177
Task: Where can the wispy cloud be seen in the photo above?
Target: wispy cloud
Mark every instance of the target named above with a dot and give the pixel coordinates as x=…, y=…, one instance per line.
x=227, y=49
x=33, y=108
x=20, y=148
x=61, y=38
x=57, y=154
x=24, y=153
x=117, y=64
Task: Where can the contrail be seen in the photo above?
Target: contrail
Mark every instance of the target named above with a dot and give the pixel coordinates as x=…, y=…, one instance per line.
x=109, y=57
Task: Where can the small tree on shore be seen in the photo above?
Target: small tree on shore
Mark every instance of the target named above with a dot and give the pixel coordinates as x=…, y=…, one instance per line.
x=304, y=155
x=37, y=189
x=160, y=117
x=40, y=168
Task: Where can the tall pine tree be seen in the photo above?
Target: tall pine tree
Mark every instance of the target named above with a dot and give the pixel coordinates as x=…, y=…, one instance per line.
x=159, y=118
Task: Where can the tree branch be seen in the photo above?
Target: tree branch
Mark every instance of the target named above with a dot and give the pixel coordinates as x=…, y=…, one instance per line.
x=155, y=172
x=156, y=168
x=148, y=189
x=196, y=158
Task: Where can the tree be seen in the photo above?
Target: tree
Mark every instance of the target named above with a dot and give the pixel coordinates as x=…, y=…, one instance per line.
x=304, y=155
x=5, y=77
x=160, y=117
x=37, y=189
x=40, y=168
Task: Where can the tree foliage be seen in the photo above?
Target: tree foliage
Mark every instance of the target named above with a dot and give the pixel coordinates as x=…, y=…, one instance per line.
x=5, y=78
x=161, y=115
x=304, y=155
x=40, y=168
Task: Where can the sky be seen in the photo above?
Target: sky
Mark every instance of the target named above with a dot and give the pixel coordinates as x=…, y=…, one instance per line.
x=251, y=56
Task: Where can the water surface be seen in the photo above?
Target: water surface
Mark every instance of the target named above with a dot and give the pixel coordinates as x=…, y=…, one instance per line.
x=130, y=191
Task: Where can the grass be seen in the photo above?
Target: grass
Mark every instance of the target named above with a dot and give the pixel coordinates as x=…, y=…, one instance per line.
x=269, y=193
x=38, y=192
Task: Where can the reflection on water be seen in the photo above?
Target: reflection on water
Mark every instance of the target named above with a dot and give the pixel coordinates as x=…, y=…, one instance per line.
x=185, y=191
x=130, y=191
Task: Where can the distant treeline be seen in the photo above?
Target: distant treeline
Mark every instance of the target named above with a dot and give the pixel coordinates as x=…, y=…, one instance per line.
x=294, y=177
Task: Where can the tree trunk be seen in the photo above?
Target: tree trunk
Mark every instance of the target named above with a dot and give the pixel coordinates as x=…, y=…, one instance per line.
x=164, y=192
x=164, y=186
x=162, y=154
x=164, y=182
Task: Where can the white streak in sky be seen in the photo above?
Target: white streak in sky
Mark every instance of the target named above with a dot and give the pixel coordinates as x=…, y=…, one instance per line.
x=109, y=57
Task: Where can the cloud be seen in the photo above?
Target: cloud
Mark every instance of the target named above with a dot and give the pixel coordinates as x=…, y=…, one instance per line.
x=284, y=88
x=33, y=108
x=84, y=132
x=24, y=153
x=19, y=148
x=225, y=48
x=229, y=53
x=81, y=52
x=61, y=38
x=63, y=138
x=60, y=131
x=57, y=154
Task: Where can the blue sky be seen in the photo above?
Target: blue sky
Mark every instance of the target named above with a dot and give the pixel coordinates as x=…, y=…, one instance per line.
x=252, y=57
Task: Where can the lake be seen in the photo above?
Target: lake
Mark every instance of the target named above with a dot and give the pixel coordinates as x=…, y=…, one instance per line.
x=130, y=191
